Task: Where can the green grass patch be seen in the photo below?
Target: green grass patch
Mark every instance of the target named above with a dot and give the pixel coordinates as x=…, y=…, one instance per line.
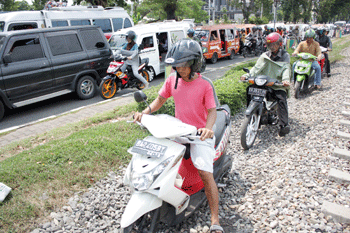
x=60, y=168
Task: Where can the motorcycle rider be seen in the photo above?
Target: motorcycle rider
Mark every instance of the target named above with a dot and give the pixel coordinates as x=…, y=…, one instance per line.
x=254, y=37
x=131, y=50
x=280, y=56
x=241, y=40
x=312, y=47
x=326, y=42
x=195, y=104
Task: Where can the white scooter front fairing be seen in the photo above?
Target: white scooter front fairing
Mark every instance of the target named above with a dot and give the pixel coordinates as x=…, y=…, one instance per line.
x=152, y=174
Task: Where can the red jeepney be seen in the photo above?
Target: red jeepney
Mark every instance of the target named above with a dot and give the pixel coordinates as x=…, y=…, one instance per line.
x=218, y=41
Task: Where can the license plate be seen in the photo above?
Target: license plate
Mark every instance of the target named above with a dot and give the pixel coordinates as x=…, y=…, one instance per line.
x=151, y=149
x=257, y=91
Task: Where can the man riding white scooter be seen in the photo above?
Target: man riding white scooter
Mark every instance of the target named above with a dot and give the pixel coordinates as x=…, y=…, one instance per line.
x=195, y=104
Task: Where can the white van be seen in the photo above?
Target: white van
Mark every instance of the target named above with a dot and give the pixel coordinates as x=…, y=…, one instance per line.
x=156, y=39
x=109, y=19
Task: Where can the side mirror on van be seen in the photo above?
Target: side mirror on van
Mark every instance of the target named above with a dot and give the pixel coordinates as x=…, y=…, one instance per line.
x=7, y=58
x=141, y=46
x=100, y=45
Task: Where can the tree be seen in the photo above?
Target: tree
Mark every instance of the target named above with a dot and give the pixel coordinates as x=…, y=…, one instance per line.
x=8, y=5
x=247, y=6
x=38, y=4
x=22, y=6
x=173, y=9
x=296, y=10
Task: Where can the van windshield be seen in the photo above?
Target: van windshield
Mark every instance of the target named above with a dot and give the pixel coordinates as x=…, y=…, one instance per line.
x=2, y=26
x=117, y=41
x=203, y=35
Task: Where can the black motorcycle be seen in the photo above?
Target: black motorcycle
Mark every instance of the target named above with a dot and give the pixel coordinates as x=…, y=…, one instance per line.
x=252, y=47
x=262, y=108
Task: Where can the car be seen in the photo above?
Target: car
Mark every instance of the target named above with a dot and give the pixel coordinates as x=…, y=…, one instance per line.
x=39, y=64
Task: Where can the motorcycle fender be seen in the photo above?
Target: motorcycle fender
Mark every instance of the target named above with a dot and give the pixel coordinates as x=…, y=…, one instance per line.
x=138, y=205
x=251, y=108
x=107, y=77
x=300, y=77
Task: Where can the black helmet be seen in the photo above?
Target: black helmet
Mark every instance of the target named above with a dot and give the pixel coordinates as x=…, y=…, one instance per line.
x=185, y=53
x=131, y=35
x=255, y=28
x=242, y=30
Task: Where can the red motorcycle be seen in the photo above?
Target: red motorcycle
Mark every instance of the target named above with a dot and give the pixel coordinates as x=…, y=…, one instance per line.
x=116, y=79
x=323, y=62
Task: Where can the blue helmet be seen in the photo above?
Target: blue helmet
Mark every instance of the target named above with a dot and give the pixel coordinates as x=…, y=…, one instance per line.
x=190, y=32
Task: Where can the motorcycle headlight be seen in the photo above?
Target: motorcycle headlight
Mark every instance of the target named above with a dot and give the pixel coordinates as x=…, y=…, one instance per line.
x=142, y=181
x=260, y=82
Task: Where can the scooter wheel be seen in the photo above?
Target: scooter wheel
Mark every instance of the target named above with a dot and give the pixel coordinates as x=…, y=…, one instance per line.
x=108, y=88
x=146, y=75
x=297, y=89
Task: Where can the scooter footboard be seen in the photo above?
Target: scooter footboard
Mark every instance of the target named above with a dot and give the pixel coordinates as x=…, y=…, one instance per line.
x=138, y=205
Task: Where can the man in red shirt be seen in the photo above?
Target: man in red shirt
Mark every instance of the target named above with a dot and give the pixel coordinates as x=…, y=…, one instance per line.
x=195, y=104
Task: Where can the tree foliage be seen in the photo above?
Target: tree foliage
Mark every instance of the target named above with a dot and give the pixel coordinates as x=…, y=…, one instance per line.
x=296, y=10
x=247, y=6
x=172, y=9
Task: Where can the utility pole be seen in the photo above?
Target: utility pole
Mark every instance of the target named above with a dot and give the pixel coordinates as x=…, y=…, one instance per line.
x=274, y=13
x=209, y=3
x=213, y=11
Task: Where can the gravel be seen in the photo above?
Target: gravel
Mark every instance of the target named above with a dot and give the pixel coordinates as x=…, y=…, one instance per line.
x=279, y=185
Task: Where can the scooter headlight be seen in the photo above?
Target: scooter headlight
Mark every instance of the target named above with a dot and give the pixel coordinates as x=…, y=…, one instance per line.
x=142, y=181
x=260, y=81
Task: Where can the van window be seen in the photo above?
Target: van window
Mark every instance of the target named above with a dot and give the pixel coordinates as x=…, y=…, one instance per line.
x=176, y=36
x=59, y=23
x=117, y=24
x=64, y=44
x=127, y=23
x=105, y=24
x=91, y=37
x=2, y=26
x=148, y=42
x=230, y=34
x=80, y=22
x=22, y=26
x=26, y=49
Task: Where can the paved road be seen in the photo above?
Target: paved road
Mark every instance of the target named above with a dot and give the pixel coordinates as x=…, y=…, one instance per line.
x=69, y=102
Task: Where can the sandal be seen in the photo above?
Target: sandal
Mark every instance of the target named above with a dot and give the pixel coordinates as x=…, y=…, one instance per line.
x=215, y=228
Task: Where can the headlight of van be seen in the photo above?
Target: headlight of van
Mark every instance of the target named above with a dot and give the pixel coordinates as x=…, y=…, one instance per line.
x=142, y=181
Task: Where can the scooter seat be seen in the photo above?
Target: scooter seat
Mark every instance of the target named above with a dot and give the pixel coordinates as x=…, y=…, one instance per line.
x=222, y=120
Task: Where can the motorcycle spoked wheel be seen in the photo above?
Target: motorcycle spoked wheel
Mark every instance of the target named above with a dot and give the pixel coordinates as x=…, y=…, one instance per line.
x=147, y=76
x=249, y=130
x=147, y=223
x=297, y=91
x=108, y=88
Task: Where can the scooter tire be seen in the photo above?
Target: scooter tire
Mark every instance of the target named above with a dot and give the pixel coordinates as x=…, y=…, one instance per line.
x=146, y=223
x=249, y=130
x=108, y=88
x=297, y=90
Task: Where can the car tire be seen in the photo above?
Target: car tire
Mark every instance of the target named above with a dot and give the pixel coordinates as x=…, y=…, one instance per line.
x=86, y=87
x=214, y=58
x=2, y=110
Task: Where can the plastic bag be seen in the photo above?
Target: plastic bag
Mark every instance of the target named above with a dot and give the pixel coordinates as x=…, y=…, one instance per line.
x=4, y=191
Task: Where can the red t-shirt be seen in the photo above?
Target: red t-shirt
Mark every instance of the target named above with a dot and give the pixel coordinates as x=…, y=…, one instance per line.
x=192, y=99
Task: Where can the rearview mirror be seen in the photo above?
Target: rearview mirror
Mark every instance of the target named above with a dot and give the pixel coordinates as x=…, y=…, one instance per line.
x=246, y=70
x=141, y=46
x=139, y=96
x=7, y=58
x=100, y=45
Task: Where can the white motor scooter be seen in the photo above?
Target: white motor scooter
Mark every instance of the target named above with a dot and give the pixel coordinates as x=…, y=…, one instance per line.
x=165, y=185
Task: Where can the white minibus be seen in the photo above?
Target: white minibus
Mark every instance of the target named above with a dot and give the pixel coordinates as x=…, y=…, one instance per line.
x=156, y=39
x=109, y=19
